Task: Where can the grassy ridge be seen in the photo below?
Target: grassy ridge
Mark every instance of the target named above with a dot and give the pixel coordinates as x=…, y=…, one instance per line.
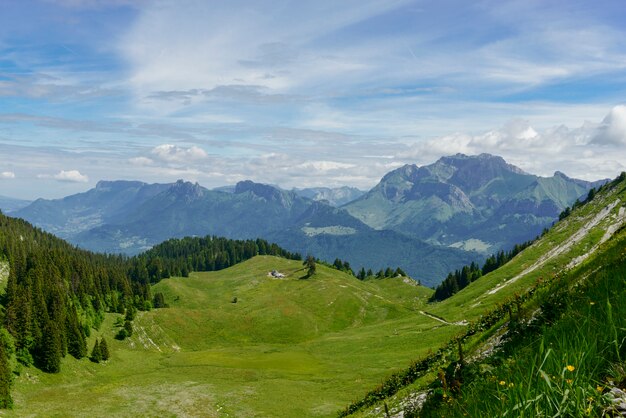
x=288, y=347
x=563, y=363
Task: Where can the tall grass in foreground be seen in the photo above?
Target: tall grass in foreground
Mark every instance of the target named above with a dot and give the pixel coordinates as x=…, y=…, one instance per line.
x=560, y=366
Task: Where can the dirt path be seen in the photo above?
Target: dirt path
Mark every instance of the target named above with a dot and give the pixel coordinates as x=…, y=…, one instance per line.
x=443, y=321
x=568, y=244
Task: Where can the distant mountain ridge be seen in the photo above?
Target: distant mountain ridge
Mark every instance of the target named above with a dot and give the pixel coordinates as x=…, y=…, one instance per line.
x=108, y=202
x=338, y=196
x=9, y=204
x=428, y=220
x=463, y=199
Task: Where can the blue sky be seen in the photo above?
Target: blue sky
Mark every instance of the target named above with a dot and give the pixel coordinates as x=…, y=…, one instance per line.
x=300, y=93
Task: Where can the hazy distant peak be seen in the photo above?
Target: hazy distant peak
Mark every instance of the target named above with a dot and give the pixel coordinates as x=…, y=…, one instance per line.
x=561, y=174
x=483, y=160
x=338, y=196
x=406, y=172
x=108, y=184
x=265, y=191
x=187, y=190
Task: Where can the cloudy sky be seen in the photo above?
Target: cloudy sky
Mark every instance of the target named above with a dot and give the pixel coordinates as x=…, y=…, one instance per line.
x=304, y=93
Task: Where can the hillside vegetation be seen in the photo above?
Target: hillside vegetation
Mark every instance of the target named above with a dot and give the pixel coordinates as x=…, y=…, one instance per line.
x=545, y=332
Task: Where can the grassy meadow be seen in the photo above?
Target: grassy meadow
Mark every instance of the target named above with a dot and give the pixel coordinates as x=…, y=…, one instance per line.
x=287, y=347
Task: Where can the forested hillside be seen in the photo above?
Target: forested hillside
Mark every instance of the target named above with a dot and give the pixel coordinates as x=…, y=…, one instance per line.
x=179, y=257
x=55, y=293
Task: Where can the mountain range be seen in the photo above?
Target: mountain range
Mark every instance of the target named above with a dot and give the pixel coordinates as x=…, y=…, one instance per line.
x=472, y=202
x=428, y=220
x=9, y=204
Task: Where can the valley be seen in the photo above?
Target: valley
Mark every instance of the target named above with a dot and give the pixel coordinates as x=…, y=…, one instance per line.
x=241, y=342
x=288, y=347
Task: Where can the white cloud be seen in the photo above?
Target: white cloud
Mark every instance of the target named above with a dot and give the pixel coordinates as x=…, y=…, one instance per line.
x=70, y=176
x=258, y=43
x=174, y=154
x=141, y=161
x=590, y=152
x=612, y=130
x=325, y=166
x=7, y=175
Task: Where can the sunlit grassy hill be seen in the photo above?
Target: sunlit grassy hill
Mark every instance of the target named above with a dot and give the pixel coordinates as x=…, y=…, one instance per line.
x=272, y=310
x=291, y=346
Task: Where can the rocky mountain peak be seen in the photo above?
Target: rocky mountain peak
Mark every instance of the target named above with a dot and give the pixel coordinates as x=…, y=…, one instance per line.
x=108, y=185
x=187, y=190
x=264, y=191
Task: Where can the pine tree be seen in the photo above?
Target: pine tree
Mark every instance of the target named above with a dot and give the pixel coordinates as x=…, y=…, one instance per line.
x=104, y=350
x=128, y=327
x=96, y=352
x=159, y=300
x=76, y=344
x=310, y=264
x=49, y=353
x=5, y=379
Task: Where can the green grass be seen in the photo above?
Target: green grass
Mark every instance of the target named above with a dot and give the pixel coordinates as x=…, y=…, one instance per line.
x=562, y=365
x=288, y=347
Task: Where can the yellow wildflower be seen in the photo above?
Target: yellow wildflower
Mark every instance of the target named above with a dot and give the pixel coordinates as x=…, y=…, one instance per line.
x=599, y=388
x=570, y=368
x=569, y=381
x=502, y=383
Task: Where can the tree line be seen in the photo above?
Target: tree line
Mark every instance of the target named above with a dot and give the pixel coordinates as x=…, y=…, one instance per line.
x=362, y=274
x=178, y=257
x=461, y=278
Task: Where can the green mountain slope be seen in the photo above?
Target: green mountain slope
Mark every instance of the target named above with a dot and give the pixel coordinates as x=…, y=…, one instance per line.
x=522, y=299
x=304, y=347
